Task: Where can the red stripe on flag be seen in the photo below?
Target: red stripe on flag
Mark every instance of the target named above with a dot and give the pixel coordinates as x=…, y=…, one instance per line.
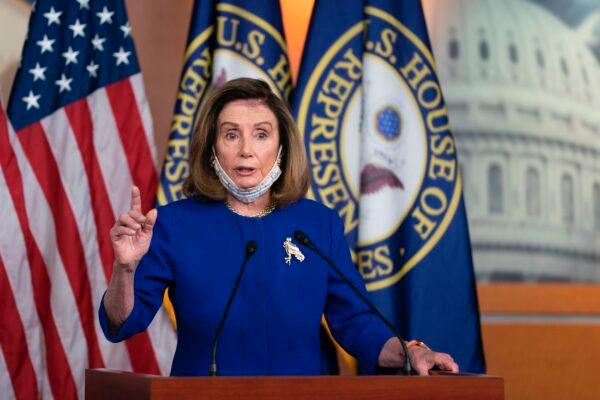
x=137, y=149
x=61, y=379
x=142, y=355
x=13, y=343
x=45, y=168
x=141, y=352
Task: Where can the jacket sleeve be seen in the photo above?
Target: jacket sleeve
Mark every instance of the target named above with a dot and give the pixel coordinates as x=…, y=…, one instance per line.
x=152, y=276
x=360, y=332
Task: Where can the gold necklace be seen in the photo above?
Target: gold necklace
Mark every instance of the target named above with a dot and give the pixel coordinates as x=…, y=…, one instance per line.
x=268, y=210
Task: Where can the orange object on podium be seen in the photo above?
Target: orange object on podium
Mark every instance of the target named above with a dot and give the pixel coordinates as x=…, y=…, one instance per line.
x=116, y=385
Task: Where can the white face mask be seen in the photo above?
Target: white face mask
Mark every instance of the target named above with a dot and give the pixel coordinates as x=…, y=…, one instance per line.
x=248, y=195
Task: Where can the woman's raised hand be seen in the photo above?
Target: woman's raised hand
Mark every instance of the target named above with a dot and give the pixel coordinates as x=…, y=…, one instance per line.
x=132, y=232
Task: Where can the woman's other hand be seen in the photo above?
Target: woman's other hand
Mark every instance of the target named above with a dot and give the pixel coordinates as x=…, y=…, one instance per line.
x=422, y=358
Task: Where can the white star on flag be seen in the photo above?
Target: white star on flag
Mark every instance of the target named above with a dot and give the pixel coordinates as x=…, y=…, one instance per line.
x=32, y=100
x=126, y=29
x=53, y=16
x=38, y=72
x=92, y=68
x=84, y=4
x=64, y=83
x=45, y=44
x=77, y=29
x=105, y=16
x=97, y=42
x=122, y=56
x=70, y=56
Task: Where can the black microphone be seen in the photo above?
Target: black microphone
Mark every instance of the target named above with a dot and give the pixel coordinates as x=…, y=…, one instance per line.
x=304, y=240
x=251, y=247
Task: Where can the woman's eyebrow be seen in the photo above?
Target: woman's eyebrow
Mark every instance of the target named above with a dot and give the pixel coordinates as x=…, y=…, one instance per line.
x=233, y=124
x=263, y=123
x=237, y=125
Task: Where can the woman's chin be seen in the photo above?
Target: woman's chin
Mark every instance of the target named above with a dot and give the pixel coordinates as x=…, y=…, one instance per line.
x=246, y=183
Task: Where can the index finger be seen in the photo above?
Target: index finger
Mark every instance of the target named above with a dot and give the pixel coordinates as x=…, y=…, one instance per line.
x=136, y=199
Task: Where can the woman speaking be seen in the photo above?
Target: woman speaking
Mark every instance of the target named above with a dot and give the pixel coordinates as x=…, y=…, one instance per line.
x=248, y=176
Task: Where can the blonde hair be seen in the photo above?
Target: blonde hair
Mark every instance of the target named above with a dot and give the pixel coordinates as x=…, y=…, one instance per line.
x=203, y=181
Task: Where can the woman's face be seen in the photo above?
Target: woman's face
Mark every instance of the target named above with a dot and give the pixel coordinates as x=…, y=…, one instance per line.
x=247, y=141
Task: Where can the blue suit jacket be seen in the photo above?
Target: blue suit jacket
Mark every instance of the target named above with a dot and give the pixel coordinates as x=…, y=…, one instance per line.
x=273, y=325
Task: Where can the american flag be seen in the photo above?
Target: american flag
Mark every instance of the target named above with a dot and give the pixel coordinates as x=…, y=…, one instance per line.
x=82, y=137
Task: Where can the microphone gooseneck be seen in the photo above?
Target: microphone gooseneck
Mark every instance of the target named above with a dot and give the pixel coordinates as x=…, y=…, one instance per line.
x=251, y=248
x=304, y=240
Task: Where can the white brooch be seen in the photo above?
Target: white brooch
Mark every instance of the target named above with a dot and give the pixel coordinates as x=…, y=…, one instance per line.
x=292, y=250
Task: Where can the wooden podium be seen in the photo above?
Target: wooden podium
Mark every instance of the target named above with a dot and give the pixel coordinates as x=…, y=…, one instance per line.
x=116, y=385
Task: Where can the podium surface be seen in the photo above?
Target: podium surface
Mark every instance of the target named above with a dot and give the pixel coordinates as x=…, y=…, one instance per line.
x=115, y=385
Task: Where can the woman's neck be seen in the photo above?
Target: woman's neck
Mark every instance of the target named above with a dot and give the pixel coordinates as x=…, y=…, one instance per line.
x=250, y=209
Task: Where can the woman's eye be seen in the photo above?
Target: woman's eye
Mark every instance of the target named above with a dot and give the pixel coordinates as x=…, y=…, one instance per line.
x=231, y=135
x=262, y=135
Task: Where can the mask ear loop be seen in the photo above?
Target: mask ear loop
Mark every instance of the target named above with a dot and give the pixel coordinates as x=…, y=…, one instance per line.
x=278, y=161
x=215, y=160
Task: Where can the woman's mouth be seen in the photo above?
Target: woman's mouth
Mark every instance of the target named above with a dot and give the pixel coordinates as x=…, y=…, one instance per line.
x=245, y=171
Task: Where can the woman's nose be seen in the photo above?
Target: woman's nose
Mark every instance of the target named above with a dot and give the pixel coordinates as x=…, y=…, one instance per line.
x=246, y=149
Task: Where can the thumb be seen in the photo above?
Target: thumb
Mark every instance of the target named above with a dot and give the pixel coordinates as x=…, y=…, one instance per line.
x=150, y=220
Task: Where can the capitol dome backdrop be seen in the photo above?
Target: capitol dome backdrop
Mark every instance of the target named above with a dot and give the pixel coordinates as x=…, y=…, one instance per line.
x=521, y=80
